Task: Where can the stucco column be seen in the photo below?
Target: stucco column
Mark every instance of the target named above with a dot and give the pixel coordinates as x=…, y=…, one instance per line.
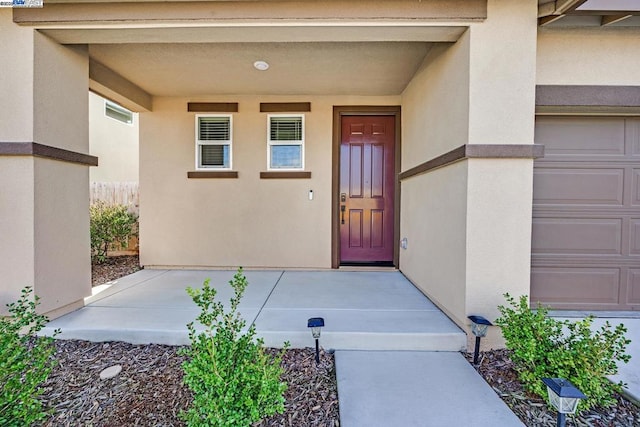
x=499, y=191
x=44, y=169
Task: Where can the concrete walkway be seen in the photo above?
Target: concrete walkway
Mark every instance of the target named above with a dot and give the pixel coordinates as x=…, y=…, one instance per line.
x=413, y=388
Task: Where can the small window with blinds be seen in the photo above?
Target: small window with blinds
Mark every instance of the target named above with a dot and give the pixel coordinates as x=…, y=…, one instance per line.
x=285, y=145
x=213, y=141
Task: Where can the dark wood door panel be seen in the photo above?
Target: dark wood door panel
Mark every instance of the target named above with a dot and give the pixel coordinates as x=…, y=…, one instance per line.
x=367, y=180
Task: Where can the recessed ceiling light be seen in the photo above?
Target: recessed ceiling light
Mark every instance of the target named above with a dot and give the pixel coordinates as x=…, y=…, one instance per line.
x=261, y=65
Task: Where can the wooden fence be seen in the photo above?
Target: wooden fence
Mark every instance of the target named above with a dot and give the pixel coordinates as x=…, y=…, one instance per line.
x=121, y=193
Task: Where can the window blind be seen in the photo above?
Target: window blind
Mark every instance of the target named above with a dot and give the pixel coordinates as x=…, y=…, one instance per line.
x=214, y=129
x=214, y=155
x=286, y=129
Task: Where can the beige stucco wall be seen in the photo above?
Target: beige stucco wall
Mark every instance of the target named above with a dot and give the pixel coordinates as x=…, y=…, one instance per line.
x=433, y=219
x=468, y=224
x=502, y=68
x=60, y=88
x=435, y=116
x=499, y=206
x=16, y=173
x=16, y=227
x=44, y=203
x=61, y=190
x=435, y=104
x=246, y=221
x=114, y=143
x=588, y=56
x=61, y=227
x=16, y=120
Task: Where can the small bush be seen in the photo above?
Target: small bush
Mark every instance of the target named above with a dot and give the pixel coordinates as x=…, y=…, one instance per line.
x=25, y=362
x=234, y=382
x=545, y=347
x=109, y=225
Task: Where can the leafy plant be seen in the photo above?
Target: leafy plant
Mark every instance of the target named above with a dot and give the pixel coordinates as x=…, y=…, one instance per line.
x=233, y=380
x=109, y=225
x=546, y=347
x=25, y=362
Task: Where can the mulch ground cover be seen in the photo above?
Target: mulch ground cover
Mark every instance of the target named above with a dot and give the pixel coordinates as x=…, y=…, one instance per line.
x=149, y=390
x=498, y=370
x=113, y=268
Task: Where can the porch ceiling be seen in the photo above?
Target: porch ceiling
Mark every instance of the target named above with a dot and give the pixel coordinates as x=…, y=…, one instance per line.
x=199, y=59
x=308, y=68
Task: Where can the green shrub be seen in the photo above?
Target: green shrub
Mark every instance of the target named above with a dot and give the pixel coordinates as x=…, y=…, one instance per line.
x=25, y=362
x=234, y=382
x=109, y=224
x=546, y=347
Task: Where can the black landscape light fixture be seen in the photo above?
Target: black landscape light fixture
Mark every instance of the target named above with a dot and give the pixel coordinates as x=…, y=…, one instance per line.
x=316, y=323
x=479, y=328
x=564, y=397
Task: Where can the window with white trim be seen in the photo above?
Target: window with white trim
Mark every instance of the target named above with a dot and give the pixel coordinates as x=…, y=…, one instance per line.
x=213, y=141
x=285, y=144
x=117, y=112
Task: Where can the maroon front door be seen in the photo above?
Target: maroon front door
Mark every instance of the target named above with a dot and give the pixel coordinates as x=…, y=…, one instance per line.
x=367, y=169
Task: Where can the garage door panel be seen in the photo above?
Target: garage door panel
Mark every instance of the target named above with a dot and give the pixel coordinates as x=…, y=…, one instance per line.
x=633, y=136
x=579, y=186
x=581, y=137
x=634, y=237
x=634, y=286
x=575, y=285
x=586, y=213
x=577, y=236
x=635, y=187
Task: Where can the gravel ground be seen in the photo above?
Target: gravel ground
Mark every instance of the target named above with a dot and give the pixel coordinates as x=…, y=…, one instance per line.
x=498, y=370
x=114, y=268
x=149, y=390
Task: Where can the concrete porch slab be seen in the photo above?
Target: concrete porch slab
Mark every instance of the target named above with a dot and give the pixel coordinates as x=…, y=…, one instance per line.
x=366, y=290
x=427, y=330
x=169, y=289
x=428, y=389
x=362, y=310
x=132, y=325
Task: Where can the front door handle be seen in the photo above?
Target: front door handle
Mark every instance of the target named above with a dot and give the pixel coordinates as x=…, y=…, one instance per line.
x=342, y=209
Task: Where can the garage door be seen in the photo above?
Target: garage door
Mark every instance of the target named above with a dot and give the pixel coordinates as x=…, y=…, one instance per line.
x=586, y=214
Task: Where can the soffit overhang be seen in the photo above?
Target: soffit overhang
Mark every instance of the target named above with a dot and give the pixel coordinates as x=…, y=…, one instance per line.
x=589, y=13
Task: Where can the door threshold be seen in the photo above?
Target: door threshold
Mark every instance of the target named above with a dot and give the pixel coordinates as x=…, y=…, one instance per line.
x=366, y=268
x=367, y=264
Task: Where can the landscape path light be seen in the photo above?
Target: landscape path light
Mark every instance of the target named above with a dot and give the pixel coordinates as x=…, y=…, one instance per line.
x=316, y=323
x=564, y=397
x=479, y=328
